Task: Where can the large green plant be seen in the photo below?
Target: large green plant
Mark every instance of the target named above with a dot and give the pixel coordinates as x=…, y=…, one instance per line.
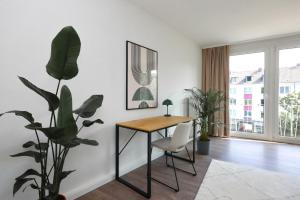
x=61, y=133
x=205, y=104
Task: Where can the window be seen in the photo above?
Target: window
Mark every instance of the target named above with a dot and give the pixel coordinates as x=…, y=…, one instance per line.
x=233, y=79
x=259, y=128
x=232, y=113
x=247, y=113
x=286, y=90
x=232, y=91
x=289, y=93
x=232, y=101
x=249, y=68
x=281, y=90
x=248, y=102
x=247, y=90
x=268, y=74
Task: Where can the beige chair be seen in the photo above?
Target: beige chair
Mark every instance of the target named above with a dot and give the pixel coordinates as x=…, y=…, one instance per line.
x=175, y=144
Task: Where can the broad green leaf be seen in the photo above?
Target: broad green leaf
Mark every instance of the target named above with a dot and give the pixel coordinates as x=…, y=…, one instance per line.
x=33, y=186
x=33, y=126
x=88, y=123
x=44, y=146
x=36, y=155
x=89, y=107
x=19, y=183
x=64, y=174
x=53, y=133
x=26, y=115
x=65, y=50
x=29, y=172
x=28, y=144
x=86, y=141
x=65, y=119
x=51, y=98
x=58, y=135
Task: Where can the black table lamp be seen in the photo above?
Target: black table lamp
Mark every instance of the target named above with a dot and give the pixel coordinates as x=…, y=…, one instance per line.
x=167, y=103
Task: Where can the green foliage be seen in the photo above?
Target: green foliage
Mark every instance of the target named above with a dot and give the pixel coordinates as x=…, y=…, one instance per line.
x=29, y=172
x=43, y=146
x=206, y=104
x=65, y=50
x=289, y=115
x=36, y=155
x=64, y=174
x=51, y=98
x=65, y=119
x=19, y=183
x=88, y=123
x=26, y=115
x=62, y=132
x=86, y=141
x=89, y=107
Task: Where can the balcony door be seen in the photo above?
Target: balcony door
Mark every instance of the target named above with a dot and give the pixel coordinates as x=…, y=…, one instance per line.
x=246, y=93
x=288, y=89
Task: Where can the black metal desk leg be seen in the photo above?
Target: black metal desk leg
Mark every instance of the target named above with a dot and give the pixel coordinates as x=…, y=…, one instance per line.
x=117, y=152
x=194, y=139
x=149, y=166
x=166, y=155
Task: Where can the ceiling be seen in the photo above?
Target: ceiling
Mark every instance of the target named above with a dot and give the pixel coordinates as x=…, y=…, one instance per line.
x=216, y=22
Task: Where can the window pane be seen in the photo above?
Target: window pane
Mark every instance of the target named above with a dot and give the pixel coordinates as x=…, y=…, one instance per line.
x=247, y=82
x=289, y=93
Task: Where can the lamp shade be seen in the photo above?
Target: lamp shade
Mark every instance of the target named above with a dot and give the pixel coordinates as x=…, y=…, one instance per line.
x=167, y=102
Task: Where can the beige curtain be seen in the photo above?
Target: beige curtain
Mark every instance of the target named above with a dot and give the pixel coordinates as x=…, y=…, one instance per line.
x=215, y=75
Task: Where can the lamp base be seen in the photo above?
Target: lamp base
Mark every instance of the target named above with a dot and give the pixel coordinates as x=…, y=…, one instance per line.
x=167, y=115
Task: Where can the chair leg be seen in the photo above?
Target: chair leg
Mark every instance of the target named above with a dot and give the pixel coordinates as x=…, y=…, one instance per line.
x=195, y=174
x=166, y=159
x=174, y=168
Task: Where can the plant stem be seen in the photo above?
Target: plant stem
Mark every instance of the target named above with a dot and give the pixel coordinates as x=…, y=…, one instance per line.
x=43, y=181
x=80, y=129
x=46, y=159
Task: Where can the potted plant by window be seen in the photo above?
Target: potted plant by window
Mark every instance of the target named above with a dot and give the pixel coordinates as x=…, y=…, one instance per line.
x=205, y=104
x=54, y=140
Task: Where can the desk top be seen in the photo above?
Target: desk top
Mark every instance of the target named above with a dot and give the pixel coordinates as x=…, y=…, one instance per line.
x=152, y=124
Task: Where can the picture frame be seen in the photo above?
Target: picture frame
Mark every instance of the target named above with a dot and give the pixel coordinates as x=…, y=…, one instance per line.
x=141, y=77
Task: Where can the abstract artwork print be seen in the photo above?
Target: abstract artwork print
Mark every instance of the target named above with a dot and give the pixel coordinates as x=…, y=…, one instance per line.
x=141, y=77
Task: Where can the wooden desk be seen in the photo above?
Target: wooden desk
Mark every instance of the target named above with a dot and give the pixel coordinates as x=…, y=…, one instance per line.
x=148, y=126
x=153, y=124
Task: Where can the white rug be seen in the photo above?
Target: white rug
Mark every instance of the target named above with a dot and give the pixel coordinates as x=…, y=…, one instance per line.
x=228, y=181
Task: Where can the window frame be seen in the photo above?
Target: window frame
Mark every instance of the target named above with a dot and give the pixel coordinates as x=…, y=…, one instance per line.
x=271, y=48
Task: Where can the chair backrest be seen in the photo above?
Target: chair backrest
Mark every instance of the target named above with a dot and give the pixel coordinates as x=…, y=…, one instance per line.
x=181, y=135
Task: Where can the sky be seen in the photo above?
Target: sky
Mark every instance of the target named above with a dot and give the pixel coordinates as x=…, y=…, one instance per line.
x=249, y=62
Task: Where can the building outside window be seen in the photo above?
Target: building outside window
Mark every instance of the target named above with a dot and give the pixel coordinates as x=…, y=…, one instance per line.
x=232, y=101
x=247, y=90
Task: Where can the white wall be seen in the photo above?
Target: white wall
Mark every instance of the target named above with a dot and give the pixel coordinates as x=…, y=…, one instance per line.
x=27, y=28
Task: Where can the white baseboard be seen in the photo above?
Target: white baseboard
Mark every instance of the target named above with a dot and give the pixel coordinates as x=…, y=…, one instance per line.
x=101, y=180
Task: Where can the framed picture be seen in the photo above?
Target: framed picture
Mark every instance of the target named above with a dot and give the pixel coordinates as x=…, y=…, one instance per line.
x=141, y=77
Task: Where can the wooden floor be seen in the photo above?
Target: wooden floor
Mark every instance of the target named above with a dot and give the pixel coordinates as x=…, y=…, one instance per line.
x=265, y=155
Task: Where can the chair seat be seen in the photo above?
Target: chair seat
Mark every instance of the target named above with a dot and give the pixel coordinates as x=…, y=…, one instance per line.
x=165, y=144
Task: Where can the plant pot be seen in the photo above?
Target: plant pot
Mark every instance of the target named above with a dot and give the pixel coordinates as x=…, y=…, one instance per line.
x=61, y=197
x=203, y=147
